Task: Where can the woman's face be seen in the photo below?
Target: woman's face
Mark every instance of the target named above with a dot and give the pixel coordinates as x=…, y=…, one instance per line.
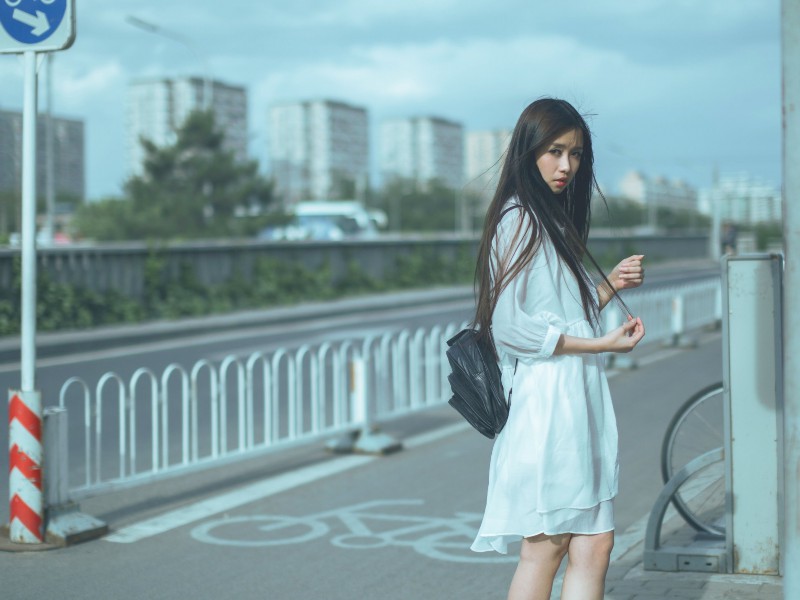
x=559, y=161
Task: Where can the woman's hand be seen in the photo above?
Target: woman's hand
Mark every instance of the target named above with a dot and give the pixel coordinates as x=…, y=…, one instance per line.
x=629, y=273
x=624, y=338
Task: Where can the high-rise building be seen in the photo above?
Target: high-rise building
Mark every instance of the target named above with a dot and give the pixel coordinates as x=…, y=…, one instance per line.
x=68, y=156
x=484, y=152
x=742, y=198
x=158, y=107
x=658, y=191
x=423, y=150
x=319, y=150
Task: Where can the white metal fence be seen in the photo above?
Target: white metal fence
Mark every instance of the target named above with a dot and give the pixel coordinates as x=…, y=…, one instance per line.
x=154, y=425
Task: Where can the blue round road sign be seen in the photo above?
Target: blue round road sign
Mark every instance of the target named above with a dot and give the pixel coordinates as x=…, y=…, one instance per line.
x=31, y=21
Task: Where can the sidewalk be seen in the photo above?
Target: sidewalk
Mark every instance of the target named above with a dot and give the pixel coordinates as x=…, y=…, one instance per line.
x=627, y=580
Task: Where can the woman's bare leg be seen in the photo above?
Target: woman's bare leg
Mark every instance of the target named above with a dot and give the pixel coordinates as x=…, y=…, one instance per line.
x=539, y=560
x=587, y=564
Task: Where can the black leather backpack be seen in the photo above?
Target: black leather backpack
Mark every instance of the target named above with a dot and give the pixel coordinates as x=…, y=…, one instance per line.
x=475, y=380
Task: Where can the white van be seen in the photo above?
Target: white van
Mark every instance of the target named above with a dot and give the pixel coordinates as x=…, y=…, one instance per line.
x=329, y=220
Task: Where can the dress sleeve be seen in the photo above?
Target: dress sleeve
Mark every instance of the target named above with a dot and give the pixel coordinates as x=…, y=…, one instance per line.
x=528, y=319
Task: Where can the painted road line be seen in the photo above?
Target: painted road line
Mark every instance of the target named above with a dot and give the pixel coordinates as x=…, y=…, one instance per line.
x=262, y=489
x=230, y=500
x=435, y=435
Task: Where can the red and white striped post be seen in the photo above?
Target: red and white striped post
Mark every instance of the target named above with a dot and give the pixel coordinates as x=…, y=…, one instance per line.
x=25, y=467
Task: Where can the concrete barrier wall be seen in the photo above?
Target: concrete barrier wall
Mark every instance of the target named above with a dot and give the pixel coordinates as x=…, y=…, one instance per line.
x=100, y=267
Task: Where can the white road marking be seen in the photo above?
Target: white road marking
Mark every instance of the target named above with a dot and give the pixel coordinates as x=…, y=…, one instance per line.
x=262, y=489
x=371, y=525
x=230, y=500
x=435, y=435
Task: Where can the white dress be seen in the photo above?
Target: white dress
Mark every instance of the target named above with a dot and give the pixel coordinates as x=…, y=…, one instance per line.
x=554, y=467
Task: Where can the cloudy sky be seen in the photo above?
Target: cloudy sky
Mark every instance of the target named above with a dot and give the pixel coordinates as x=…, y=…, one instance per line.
x=674, y=87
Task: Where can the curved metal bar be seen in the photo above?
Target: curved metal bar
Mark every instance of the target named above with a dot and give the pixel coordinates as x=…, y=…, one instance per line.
x=223, y=379
x=87, y=421
x=213, y=407
x=400, y=371
x=416, y=368
x=296, y=412
x=322, y=357
x=345, y=352
x=652, y=539
x=250, y=365
x=139, y=373
x=385, y=391
x=184, y=380
x=99, y=422
x=276, y=361
x=370, y=376
x=433, y=365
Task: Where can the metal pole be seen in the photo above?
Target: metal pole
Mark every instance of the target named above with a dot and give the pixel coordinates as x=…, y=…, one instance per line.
x=50, y=184
x=26, y=508
x=28, y=229
x=716, y=223
x=790, y=25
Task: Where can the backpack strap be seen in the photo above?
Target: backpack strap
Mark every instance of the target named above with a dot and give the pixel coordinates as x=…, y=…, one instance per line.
x=511, y=390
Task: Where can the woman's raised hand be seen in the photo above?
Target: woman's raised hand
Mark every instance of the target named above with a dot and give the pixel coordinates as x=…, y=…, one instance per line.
x=624, y=338
x=629, y=273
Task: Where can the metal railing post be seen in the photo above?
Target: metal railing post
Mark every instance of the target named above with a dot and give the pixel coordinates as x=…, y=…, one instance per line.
x=64, y=523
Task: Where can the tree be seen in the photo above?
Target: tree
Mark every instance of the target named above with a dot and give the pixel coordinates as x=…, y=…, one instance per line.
x=411, y=207
x=190, y=189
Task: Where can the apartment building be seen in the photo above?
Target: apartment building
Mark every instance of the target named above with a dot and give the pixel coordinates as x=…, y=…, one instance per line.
x=742, y=198
x=69, y=165
x=319, y=150
x=658, y=191
x=484, y=152
x=423, y=150
x=158, y=107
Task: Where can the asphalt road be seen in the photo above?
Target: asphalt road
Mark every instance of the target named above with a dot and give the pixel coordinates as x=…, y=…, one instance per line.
x=395, y=527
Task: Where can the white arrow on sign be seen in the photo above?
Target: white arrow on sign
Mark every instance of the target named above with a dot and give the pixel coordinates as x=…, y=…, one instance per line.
x=39, y=22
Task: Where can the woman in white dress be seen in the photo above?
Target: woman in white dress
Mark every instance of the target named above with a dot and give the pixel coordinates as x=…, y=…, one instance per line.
x=553, y=473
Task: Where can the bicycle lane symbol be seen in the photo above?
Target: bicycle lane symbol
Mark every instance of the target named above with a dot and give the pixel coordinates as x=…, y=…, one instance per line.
x=439, y=538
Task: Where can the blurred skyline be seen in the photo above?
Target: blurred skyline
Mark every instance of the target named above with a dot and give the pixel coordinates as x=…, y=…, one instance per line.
x=676, y=88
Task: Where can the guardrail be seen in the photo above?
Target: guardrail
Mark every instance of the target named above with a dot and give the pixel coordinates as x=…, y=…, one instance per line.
x=160, y=425
x=123, y=266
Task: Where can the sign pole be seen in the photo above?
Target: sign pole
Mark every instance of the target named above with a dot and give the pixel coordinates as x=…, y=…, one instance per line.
x=29, y=28
x=28, y=328
x=25, y=406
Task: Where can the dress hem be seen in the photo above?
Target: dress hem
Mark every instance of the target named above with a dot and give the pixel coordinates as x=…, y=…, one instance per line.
x=488, y=546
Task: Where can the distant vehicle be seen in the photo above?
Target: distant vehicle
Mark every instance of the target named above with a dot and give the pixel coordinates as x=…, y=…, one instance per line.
x=44, y=238
x=328, y=220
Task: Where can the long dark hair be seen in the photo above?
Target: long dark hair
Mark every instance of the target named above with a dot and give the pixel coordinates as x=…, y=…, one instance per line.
x=564, y=217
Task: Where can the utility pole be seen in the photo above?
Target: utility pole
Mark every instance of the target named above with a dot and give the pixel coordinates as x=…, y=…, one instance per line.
x=790, y=25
